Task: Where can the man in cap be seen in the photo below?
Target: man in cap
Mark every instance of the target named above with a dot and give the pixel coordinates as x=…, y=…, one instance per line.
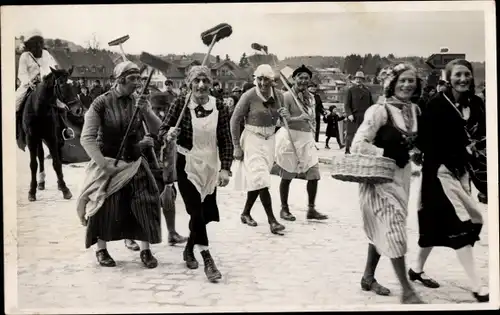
x=300, y=158
x=234, y=98
x=133, y=211
x=358, y=99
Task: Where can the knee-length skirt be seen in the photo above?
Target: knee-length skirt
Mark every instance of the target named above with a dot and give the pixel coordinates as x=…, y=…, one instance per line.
x=133, y=212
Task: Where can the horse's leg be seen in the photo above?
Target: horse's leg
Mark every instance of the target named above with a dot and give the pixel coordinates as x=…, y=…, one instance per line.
x=53, y=146
x=33, y=148
x=41, y=161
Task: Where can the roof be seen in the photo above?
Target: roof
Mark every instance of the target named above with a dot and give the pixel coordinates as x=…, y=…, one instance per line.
x=172, y=72
x=184, y=63
x=238, y=72
x=86, y=64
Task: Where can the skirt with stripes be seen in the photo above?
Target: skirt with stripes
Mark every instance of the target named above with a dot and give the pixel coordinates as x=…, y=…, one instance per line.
x=131, y=213
x=384, y=210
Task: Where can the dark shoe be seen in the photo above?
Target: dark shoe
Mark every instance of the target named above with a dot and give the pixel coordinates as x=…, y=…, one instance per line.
x=276, y=227
x=104, y=258
x=132, y=245
x=327, y=147
x=176, y=238
x=286, y=215
x=213, y=274
x=411, y=298
x=32, y=196
x=481, y=298
x=312, y=214
x=248, y=220
x=148, y=259
x=373, y=285
x=430, y=283
x=189, y=258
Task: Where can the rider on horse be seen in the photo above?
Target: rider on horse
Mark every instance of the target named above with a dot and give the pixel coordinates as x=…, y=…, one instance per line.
x=34, y=64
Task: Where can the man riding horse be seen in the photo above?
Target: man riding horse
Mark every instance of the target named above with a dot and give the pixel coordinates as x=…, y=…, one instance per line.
x=34, y=64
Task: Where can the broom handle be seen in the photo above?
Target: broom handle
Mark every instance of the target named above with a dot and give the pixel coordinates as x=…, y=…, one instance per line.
x=205, y=60
x=155, y=160
x=295, y=98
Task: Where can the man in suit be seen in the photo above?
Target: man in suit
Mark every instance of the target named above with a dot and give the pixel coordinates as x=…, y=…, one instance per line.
x=358, y=99
x=319, y=110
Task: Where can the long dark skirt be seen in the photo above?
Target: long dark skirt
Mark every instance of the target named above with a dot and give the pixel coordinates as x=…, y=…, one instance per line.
x=439, y=224
x=201, y=213
x=131, y=213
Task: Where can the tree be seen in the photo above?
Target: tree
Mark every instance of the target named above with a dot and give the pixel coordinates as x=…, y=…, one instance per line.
x=217, y=59
x=244, y=61
x=93, y=43
x=227, y=57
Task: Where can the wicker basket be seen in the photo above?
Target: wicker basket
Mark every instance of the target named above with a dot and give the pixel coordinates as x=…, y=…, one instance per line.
x=363, y=169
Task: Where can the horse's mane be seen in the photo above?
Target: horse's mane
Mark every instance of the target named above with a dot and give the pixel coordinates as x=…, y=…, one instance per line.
x=44, y=92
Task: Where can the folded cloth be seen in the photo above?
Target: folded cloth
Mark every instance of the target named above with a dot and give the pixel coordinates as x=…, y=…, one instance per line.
x=93, y=195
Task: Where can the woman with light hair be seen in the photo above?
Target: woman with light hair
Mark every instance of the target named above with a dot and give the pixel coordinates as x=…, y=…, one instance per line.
x=203, y=161
x=254, y=147
x=389, y=129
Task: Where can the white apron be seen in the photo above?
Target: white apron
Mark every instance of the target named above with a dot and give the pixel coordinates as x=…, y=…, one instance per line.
x=253, y=172
x=306, y=151
x=202, y=161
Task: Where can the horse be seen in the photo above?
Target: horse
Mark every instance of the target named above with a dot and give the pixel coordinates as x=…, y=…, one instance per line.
x=41, y=124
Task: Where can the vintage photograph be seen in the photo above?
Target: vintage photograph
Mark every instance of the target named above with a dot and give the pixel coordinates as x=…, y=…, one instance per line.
x=250, y=157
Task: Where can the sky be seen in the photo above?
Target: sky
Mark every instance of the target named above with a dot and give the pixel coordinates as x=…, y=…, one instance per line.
x=329, y=29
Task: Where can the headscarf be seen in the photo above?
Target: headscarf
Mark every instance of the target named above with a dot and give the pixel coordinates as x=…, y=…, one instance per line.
x=263, y=70
x=196, y=71
x=125, y=68
x=449, y=68
x=33, y=33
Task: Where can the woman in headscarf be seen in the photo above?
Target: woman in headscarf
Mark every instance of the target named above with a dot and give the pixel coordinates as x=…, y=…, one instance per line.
x=389, y=129
x=258, y=107
x=130, y=207
x=205, y=154
x=449, y=216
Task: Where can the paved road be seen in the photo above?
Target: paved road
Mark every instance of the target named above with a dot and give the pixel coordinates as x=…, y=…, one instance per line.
x=315, y=266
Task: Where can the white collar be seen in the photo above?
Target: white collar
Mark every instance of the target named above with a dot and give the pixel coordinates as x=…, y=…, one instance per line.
x=207, y=106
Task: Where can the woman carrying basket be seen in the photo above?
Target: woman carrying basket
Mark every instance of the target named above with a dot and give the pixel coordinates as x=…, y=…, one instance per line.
x=449, y=216
x=388, y=130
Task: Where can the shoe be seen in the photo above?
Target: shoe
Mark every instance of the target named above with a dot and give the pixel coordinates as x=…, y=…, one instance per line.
x=132, y=245
x=276, y=227
x=104, y=258
x=428, y=282
x=247, y=219
x=411, y=298
x=176, y=238
x=481, y=298
x=189, y=258
x=148, y=259
x=211, y=271
x=373, y=285
x=327, y=147
x=312, y=214
x=286, y=215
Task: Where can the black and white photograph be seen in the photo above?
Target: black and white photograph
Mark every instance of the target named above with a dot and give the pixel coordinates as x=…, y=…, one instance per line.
x=250, y=157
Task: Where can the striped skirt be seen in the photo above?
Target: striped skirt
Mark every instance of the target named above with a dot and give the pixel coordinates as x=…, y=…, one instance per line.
x=384, y=210
x=131, y=213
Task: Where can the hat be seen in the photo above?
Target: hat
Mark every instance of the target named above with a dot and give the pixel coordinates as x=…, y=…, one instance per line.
x=125, y=68
x=302, y=69
x=33, y=33
x=236, y=89
x=359, y=74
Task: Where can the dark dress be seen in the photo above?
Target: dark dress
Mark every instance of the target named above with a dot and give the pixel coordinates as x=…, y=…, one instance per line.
x=443, y=139
x=332, y=127
x=134, y=211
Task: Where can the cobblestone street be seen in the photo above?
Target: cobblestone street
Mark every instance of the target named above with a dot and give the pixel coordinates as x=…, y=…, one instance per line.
x=314, y=266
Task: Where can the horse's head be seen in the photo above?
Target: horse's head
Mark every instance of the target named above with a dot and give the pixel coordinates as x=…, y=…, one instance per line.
x=62, y=87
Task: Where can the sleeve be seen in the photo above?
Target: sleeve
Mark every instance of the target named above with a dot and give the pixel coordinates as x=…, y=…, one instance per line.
x=375, y=117
x=171, y=117
x=240, y=112
x=319, y=106
x=51, y=62
x=224, y=140
x=91, y=125
x=22, y=73
x=348, y=103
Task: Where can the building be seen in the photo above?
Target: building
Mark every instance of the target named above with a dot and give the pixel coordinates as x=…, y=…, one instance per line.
x=229, y=74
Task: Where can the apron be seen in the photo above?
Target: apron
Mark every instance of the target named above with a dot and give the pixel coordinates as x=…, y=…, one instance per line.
x=202, y=161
